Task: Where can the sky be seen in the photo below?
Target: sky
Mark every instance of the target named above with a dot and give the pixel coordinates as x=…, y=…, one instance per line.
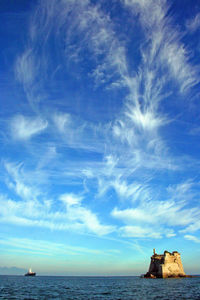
x=99, y=135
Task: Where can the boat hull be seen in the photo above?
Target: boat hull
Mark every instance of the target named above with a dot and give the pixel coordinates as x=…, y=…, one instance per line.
x=30, y=274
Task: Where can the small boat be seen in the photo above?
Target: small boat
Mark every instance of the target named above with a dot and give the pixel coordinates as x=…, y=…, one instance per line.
x=30, y=273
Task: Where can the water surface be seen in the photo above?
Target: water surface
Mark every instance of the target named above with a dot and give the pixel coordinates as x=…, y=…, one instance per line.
x=72, y=288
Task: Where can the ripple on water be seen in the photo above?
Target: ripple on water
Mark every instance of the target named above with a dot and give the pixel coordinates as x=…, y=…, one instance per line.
x=110, y=288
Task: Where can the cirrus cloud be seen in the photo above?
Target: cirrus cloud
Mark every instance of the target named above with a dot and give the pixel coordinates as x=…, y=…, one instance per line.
x=24, y=128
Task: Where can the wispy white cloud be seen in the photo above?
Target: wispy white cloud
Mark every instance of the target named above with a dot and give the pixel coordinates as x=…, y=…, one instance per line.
x=170, y=213
x=70, y=199
x=23, y=128
x=62, y=121
x=26, y=67
x=192, y=238
x=75, y=132
x=33, y=209
x=78, y=213
x=145, y=121
x=96, y=34
x=43, y=247
x=139, y=232
x=160, y=217
x=131, y=146
x=165, y=45
x=124, y=190
x=49, y=157
x=193, y=227
x=164, y=58
x=17, y=180
x=40, y=214
x=136, y=131
x=193, y=24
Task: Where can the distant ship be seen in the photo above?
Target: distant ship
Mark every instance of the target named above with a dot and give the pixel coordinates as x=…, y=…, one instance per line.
x=30, y=273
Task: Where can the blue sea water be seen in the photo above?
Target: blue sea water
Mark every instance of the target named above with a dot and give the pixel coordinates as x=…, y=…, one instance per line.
x=64, y=287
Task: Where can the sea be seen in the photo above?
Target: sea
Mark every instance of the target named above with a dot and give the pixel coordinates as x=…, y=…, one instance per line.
x=66, y=287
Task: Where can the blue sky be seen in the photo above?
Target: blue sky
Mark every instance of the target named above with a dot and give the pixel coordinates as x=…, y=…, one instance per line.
x=99, y=134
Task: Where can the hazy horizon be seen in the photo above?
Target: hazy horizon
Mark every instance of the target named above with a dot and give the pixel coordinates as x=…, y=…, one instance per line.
x=100, y=135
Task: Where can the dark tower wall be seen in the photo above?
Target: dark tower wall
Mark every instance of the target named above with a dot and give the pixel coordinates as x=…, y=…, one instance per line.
x=166, y=265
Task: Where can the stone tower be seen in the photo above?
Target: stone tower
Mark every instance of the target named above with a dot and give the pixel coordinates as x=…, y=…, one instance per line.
x=165, y=265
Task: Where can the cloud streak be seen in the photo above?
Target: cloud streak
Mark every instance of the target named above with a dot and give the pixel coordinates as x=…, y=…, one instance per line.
x=193, y=24
x=192, y=238
x=33, y=209
x=24, y=128
x=124, y=160
x=43, y=247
